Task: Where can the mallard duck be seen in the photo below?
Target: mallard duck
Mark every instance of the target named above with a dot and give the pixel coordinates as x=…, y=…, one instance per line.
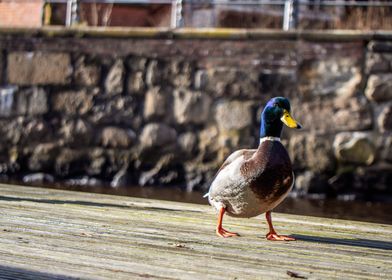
x=254, y=181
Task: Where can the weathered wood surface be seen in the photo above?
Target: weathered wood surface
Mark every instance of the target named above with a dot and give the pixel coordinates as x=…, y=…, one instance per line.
x=46, y=234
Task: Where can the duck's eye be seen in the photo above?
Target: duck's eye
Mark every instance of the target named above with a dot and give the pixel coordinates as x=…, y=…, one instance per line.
x=276, y=104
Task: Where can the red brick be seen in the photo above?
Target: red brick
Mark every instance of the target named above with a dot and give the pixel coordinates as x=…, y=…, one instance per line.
x=25, y=14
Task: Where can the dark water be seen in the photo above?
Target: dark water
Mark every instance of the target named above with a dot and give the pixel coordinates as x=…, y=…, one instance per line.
x=376, y=212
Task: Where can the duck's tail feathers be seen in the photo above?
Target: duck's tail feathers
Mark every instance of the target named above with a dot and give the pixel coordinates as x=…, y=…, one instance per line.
x=206, y=195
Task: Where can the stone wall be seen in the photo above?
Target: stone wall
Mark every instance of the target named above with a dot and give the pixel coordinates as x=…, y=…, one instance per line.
x=162, y=108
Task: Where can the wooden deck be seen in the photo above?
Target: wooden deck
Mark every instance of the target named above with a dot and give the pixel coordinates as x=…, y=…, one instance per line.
x=52, y=234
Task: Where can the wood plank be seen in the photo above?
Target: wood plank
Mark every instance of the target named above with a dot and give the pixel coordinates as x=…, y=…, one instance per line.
x=54, y=234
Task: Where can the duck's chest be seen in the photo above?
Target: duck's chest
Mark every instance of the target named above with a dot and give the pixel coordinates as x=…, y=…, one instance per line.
x=269, y=171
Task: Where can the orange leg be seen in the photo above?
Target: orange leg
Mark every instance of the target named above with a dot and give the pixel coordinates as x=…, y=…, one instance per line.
x=220, y=231
x=272, y=235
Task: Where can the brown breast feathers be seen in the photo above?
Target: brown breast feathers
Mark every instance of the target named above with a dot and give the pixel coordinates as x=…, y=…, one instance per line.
x=269, y=170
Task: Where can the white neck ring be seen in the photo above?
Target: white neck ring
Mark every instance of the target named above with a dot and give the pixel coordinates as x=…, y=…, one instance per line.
x=269, y=138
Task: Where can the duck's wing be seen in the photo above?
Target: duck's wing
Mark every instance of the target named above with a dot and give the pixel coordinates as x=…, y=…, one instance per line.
x=235, y=155
x=229, y=172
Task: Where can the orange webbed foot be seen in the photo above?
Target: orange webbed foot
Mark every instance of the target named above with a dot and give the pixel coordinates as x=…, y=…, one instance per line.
x=220, y=231
x=275, y=237
x=224, y=233
x=272, y=235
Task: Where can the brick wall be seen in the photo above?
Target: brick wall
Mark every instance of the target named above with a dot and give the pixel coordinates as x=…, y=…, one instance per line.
x=21, y=13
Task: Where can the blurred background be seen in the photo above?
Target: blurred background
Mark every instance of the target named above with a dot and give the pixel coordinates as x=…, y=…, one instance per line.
x=147, y=98
x=273, y=14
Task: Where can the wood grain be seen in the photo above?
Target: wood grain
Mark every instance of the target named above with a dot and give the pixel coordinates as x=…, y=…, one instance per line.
x=53, y=234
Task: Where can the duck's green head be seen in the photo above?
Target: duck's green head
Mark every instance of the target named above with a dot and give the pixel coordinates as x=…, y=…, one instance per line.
x=275, y=114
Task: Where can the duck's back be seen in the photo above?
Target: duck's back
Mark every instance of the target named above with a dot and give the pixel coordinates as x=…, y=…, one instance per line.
x=253, y=181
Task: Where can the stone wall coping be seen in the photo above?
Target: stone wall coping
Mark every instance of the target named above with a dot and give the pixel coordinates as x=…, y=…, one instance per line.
x=199, y=33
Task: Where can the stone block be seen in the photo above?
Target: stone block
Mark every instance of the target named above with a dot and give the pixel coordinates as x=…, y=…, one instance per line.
x=25, y=131
x=191, y=106
x=180, y=73
x=116, y=160
x=38, y=68
x=87, y=73
x=234, y=115
x=73, y=102
x=209, y=144
x=310, y=182
x=332, y=76
x=32, y=101
x=114, y=83
x=82, y=162
x=36, y=131
x=137, y=63
x=77, y=132
x=333, y=115
x=379, y=87
x=355, y=148
x=135, y=83
x=188, y=142
x=11, y=130
x=70, y=162
x=99, y=163
x=229, y=83
x=152, y=76
x=377, y=62
x=312, y=152
x=231, y=140
x=118, y=110
x=43, y=157
x=155, y=104
x=115, y=137
x=7, y=101
x=384, y=120
x=177, y=73
x=157, y=135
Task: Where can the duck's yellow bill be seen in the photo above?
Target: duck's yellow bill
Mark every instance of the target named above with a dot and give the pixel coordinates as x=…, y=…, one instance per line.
x=288, y=120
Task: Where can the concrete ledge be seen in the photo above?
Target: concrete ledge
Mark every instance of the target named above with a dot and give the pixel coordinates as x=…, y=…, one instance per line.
x=199, y=33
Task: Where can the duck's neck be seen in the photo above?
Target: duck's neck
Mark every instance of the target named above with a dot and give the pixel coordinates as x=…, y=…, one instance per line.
x=268, y=138
x=271, y=129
